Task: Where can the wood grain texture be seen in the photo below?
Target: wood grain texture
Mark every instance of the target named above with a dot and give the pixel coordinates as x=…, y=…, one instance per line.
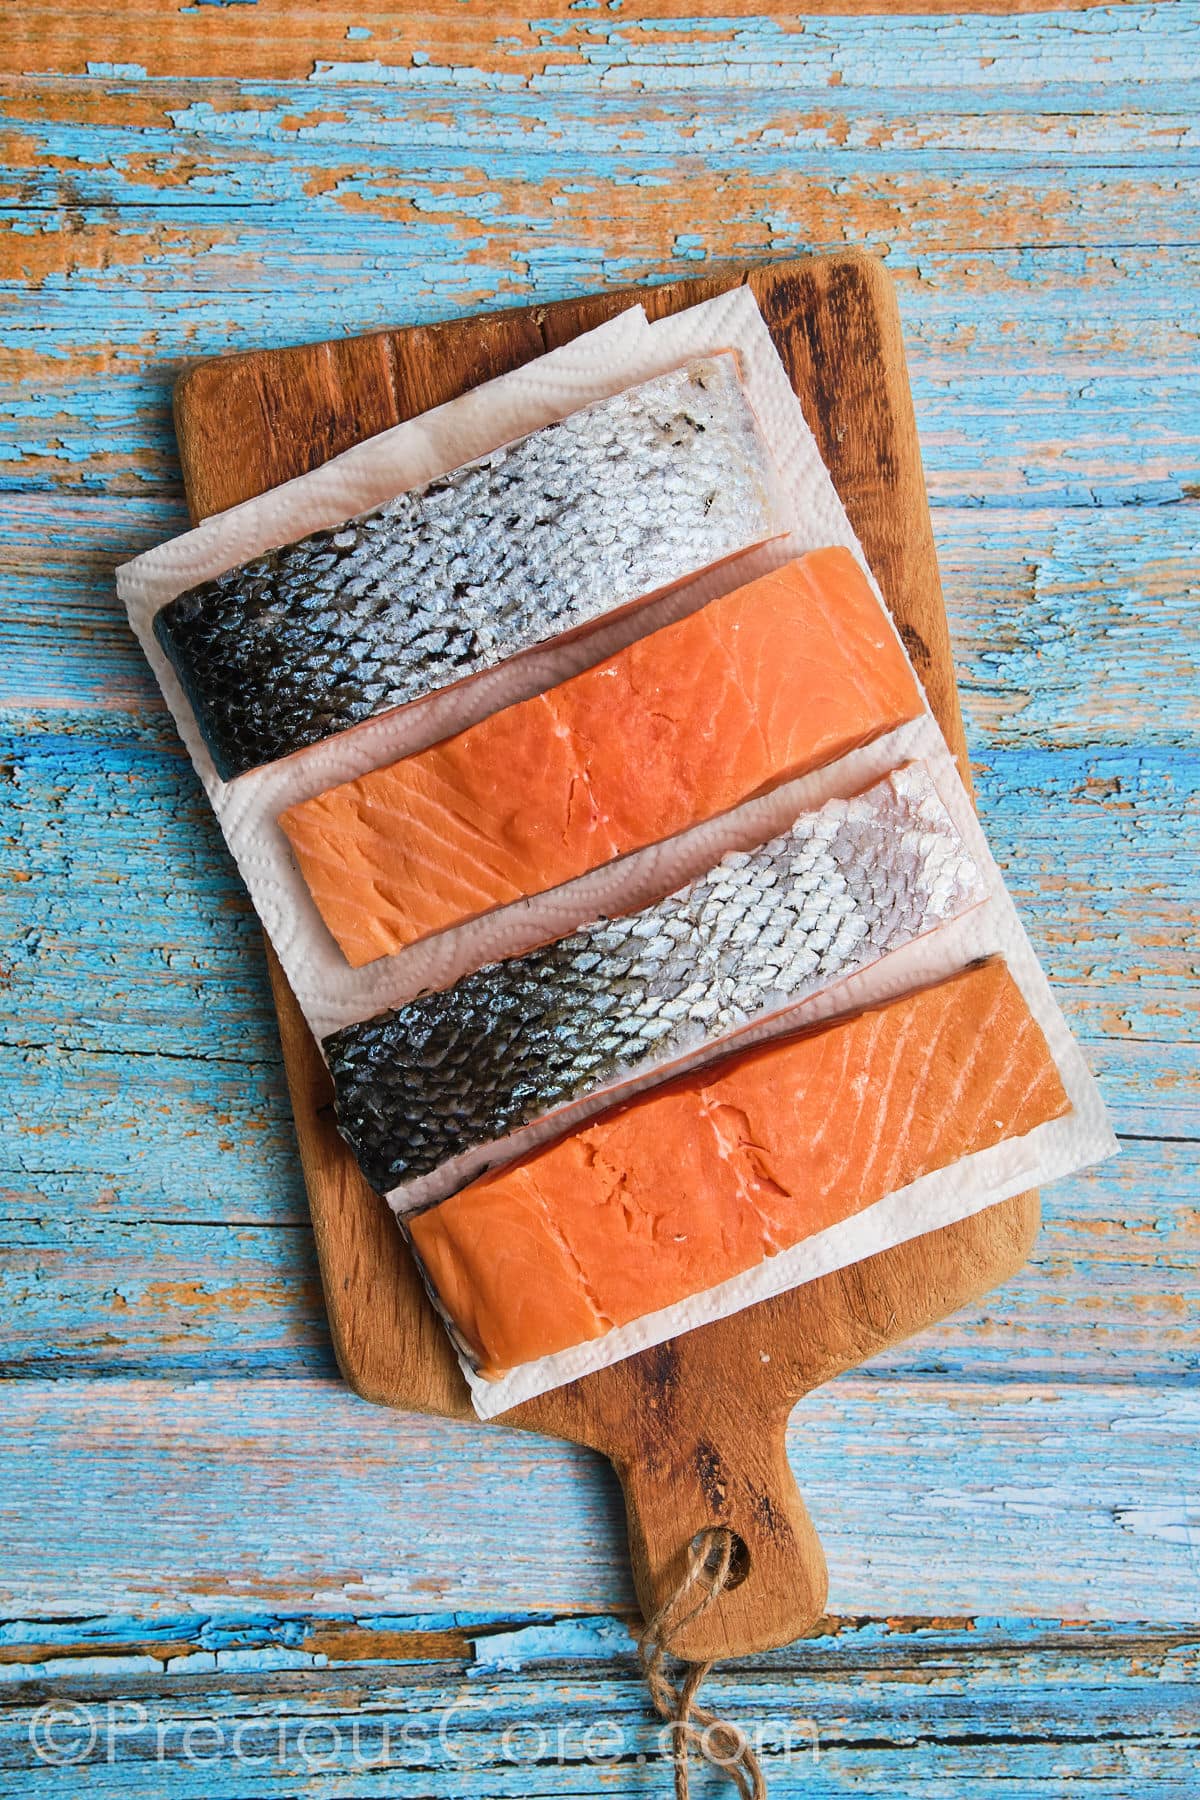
x=282, y=1497
x=542, y=1708
x=281, y=38
x=228, y=177
x=695, y=1428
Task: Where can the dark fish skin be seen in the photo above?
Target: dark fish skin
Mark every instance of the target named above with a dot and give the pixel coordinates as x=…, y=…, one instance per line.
x=455, y=1070
x=550, y=533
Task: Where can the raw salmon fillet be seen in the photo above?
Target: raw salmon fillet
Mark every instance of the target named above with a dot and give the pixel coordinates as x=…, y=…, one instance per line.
x=540, y=539
x=775, y=679
x=707, y=1176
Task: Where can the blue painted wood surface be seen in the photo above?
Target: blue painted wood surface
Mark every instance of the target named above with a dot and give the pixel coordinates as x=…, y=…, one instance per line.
x=197, y=1523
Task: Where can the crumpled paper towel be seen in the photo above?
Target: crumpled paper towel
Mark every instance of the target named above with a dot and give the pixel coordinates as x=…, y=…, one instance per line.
x=625, y=350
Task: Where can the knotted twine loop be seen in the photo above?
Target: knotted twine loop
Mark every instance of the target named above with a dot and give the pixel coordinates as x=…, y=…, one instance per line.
x=693, y=1727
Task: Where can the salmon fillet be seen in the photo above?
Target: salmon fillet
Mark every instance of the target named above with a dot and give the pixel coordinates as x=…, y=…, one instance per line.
x=775, y=679
x=705, y=1177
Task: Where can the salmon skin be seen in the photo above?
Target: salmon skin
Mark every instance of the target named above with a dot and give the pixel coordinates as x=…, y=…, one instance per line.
x=452, y=1072
x=545, y=536
x=702, y=1179
x=779, y=677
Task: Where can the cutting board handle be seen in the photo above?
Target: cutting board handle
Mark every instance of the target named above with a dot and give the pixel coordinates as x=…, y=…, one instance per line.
x=726, y=1469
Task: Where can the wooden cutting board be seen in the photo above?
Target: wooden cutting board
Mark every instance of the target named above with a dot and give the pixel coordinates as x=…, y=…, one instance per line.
x=694, y=1428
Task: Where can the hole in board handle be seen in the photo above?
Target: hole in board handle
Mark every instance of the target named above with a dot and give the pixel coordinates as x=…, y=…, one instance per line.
x=739, y=1559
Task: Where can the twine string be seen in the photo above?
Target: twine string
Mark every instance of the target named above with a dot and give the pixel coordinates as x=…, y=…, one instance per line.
x=693, y=1727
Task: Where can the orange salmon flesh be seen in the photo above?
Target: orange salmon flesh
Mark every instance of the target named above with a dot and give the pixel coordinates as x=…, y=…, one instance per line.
x=769, y=682
x=712, y=1173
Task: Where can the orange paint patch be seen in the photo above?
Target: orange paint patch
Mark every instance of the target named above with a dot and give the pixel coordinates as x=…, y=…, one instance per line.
x=91, y=246
x=158, y=1649
x=67, y=373
x=737, y=213
x=327, y=181
x=189, y=1296
x=396, y=209
x=343, y=1644
x=302, y=122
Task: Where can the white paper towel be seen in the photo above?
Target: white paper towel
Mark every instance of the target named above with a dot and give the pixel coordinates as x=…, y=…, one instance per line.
x=625, y=350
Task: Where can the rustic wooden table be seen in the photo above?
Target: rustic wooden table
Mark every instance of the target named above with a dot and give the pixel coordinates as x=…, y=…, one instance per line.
x=247, y=1582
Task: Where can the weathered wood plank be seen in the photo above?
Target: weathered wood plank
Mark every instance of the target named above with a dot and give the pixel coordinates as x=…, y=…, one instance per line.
x=498, y=46
x=134, y=1272
x=84, y=144
x=223, y=1644
x=995, y=434
x=174, y=1137
x=504, y=181
x=160, y=210
x=293, y=1496
x=999, y=429
x=1071, y=626
x=113, y=141
x=1089, y=840
x=918, y=1707
x=1094, y=309
x=484, y=240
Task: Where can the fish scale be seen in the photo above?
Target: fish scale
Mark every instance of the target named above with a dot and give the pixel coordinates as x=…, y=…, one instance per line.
x=457, y=1070
x=547, y=534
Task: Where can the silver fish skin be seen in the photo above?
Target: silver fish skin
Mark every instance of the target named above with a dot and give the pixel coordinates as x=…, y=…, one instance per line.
x=454, y=1071
x=612, y=504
